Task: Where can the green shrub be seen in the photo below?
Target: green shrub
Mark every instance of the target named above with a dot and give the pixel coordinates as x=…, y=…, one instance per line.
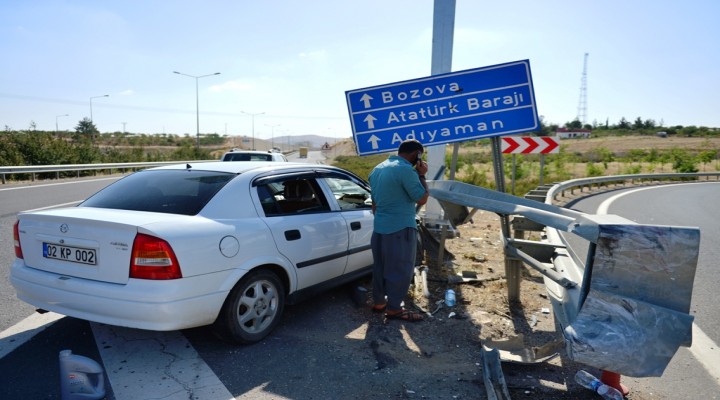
x=592, y=170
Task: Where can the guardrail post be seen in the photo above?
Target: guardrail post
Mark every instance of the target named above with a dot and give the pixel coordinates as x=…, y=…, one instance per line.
x=513, y=272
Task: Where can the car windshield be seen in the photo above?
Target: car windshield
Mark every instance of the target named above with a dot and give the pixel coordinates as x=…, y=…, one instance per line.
x=167, y=191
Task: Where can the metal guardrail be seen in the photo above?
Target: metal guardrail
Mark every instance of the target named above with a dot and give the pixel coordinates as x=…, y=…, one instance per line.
x=655, y=258
x=552, y=191
x=549, y=194
x=33, y=170
x=626, y=309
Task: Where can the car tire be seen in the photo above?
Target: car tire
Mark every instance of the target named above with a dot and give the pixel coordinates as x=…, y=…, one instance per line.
x=253, y=308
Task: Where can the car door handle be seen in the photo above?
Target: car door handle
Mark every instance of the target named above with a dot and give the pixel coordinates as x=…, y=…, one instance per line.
x=292, y=234
x=355, y=226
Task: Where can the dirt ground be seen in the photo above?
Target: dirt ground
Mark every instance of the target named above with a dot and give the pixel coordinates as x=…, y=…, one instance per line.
x=623, y=144
x=482, y=316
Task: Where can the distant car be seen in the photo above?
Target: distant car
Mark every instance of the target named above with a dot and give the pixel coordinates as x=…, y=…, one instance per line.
x=175, y=247
x=253, y=155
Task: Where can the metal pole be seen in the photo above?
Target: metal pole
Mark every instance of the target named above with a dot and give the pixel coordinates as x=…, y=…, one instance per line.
x=272, y=135
x=512, y=181
x=512, y=266
x=441, y=62
x=95, y=97
x=197, y=104
x=197, y=114
x=56, y=121
x=253, y=125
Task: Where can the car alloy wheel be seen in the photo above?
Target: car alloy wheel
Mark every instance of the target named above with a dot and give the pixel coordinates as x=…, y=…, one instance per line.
x=253, y=308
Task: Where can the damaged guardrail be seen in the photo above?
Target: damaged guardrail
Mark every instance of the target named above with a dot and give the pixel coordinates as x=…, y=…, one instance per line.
x=627, y=309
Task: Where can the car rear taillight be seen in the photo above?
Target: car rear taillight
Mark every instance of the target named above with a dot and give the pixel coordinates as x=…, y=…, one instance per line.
x=153, y=258
x=16, y=239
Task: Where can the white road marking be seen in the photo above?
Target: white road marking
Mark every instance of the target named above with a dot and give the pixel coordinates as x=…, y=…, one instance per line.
x=144, y=364
x=16, y=335
x=53, y=206
x=706, y=351
x=59, y=183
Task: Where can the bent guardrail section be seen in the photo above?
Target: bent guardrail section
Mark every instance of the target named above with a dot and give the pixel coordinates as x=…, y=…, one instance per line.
x=627, y=309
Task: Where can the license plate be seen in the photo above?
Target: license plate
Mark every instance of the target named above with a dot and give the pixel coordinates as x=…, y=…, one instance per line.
x=69, y=253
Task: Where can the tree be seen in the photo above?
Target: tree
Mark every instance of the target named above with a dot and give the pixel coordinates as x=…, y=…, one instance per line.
x=546, y=130
x=638, y=124
x=683, y=161
x=574, y=124
x=86, y=131
x=690, y=131
x=623, y=124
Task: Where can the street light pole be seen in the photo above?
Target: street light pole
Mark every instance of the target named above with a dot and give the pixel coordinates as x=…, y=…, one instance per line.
x=253, y=125
x=56, y=121
x=95, y=97
x=272, y=135
x=197, y=104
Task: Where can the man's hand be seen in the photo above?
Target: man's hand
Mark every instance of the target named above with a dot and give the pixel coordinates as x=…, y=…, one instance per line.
x=421, y=167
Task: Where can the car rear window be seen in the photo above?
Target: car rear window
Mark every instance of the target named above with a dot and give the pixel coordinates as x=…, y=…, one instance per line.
x=168, y=191
x=247, y=157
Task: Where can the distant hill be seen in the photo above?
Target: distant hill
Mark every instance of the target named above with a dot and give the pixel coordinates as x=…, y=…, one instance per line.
x=312, y=141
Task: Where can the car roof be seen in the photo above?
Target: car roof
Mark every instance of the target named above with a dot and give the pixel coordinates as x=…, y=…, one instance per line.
x=240, y=167
x=248, y=151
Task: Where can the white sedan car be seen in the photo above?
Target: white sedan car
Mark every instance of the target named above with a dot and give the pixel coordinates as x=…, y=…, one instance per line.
x=221, y=243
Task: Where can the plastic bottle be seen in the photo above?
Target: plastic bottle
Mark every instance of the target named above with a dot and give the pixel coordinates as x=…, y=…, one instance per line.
x=587, y=380
x=450, y=297
x=81, y=378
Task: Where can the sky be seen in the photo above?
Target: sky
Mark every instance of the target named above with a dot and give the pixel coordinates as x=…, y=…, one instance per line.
x=285, y=64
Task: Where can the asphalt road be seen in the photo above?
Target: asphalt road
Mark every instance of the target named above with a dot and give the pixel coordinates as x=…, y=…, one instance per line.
x=694, y=373
x=303, y=359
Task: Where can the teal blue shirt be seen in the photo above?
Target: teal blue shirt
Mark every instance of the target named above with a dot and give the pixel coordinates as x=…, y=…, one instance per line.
x=396, y=188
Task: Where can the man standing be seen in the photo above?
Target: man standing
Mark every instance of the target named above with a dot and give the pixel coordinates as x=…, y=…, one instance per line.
x=398, y=185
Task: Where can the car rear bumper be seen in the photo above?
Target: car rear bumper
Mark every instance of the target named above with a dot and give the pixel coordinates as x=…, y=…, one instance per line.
x=142, y=304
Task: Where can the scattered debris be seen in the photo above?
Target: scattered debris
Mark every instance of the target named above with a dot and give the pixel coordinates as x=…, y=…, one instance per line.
x=514, y=350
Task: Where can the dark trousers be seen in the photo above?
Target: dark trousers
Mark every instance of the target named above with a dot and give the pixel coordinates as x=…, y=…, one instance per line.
x=394, y=264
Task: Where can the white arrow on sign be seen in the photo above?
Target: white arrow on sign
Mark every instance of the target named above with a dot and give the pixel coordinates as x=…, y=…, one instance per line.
x=374, y=140
x=366, y=100
x=370, y=121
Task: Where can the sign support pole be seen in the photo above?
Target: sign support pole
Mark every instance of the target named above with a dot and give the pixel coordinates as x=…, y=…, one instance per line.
x=513, y=268
x=442, y=46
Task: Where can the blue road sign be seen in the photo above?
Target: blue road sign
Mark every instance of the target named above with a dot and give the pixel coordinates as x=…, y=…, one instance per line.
x=458, y=106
